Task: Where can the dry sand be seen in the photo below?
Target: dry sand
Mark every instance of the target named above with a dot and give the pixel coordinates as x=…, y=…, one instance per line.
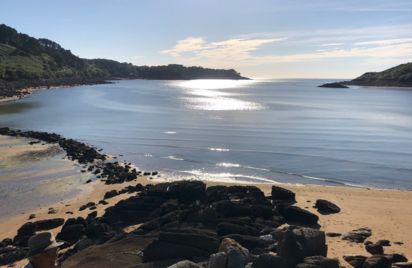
x=387, y=212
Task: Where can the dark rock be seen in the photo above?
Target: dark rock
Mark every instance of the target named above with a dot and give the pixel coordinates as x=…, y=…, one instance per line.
x=377, y=261
x=184, y=191
x=218, y=260
x=103, y=202
x=374, y=249
x=383, y=242
x=110, y=194
x=268, y=260
x=252, y=243
x=298, y=215
x=32, y=216
x=24, y=233
x=199, y=239
x=185, y=264
x=326, y=207
x=48, y=224
x=230, y=228
x=334, y=85
x=237, y=256
x=160, y=250
x=13, y=256
x=398, y=243
x=226, y=208
x=88, y=205
x=91, y=216
x=318, y=262
x=89, y=181
x=355, y=261
x=71, y=233
x=281, y=194
x=358, y=235
x=396, y=258
x=402, y=265
x=100, y=232
x=297, y=243
x=332, y=234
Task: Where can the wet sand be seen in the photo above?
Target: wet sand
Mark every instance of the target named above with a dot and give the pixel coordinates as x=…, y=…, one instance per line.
x=387, y=212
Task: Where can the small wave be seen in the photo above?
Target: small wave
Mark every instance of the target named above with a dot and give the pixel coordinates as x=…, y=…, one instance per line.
x=226, y=177
x=172, y=157
x=148, y=155
x=219, y=149
x=224, y=164
x=170, y=132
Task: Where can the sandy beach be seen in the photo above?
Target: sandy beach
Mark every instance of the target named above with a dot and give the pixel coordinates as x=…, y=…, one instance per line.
x=387, y=212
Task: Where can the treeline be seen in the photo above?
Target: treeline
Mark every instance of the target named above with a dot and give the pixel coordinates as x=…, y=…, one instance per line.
x=28, y=61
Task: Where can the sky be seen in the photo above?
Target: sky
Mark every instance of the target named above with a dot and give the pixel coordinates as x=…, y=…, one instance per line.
x=259, y=38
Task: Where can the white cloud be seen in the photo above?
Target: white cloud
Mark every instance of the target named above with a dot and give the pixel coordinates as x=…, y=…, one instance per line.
x=331, y=45
x=237, y=48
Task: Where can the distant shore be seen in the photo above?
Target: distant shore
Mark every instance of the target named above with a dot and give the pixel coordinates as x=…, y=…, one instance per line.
x=386, y=212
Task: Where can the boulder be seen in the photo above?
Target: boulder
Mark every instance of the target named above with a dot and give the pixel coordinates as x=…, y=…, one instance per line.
x=230, y=228
x=298, y=216
x=72, y=233
x=280, y=194
x=358, y=235
x=110, y=194
x=199, y=239
x=355, y=261
x=374, y=249
x=383, y=243
x=237, y=256
x=160, y=250
x=402, y=265
x=296, y=243
x=43, y=225
x=395, y=257
x=184, y=191
x=217, y=260
x=13, y=256
x=318, y=262
x=24, y=233
x=252, y=243
x=185, y=264
x=268, y=260
x=326, y=207
x=377, y=261
x=227, y=208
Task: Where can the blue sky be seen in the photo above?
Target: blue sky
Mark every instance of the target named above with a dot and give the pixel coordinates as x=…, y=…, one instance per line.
x=260, y=38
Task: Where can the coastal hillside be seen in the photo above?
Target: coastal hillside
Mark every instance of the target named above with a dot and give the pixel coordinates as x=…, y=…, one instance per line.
x=399, y=76
x=26, y=61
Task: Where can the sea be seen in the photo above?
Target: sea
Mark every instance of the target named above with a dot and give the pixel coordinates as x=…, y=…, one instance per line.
x=277, y=131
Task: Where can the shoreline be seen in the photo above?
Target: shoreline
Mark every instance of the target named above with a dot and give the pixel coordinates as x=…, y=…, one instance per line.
x=385, y=211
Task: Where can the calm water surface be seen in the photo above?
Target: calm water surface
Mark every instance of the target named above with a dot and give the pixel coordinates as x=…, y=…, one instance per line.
x=279, y=130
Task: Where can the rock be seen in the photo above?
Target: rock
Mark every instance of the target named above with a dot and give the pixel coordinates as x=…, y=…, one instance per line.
x=396, y=258
x=52, y=211
x=184, y=191
x=296, y=243
x=217, y=260
x=185, y=264
x=199, y=239
x=100, y=232
x=103, y=202
x=383, y=243
x=32, y=216
x=110, y=194
x=71, y=233
x=160, y=250
x=326, y=207
x=89, y=181
x=377, y=261
x=398, y=243
x=334, y=85
x=230, y=228
x=318, y=262
x=237, y=256
x=91, y=216
x=268, y=260
x=374, y=249
x=332, y=234
x=88, y=205
x=358, y=235
x=355, y=261
x=226, y=209
x=13, y=256
x=402, y=265
x=250, y=242
x=43, y=225
x=24, y=233
x=280, y=194
x=298, y=216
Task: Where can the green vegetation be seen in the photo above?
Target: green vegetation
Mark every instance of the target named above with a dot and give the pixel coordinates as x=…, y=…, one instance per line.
x=26, y=62
x=400, y=76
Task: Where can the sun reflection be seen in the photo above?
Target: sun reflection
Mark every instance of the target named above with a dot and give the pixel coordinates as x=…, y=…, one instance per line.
x=208, y=95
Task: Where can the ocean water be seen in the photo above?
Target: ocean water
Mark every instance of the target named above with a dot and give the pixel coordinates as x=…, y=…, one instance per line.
x=258, y=131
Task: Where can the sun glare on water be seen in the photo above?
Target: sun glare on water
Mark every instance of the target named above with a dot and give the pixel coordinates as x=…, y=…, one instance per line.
x=209, y=95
